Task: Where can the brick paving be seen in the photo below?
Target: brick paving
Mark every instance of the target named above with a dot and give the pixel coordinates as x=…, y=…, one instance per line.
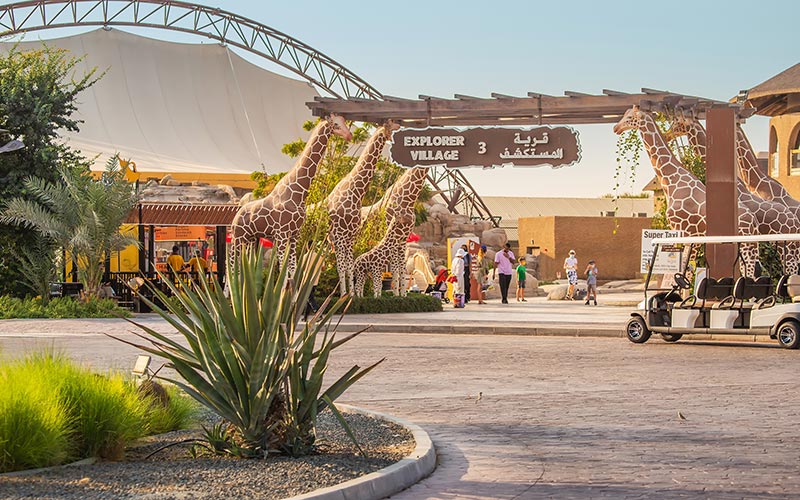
x=519, y=417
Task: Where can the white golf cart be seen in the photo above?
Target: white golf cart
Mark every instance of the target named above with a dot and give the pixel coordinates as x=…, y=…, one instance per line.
x=723, y=305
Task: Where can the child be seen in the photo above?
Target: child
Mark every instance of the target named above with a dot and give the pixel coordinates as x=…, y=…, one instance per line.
x=591, y=282
x=521, y=275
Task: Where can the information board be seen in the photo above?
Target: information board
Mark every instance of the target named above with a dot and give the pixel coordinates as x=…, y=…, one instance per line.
x=668, y=260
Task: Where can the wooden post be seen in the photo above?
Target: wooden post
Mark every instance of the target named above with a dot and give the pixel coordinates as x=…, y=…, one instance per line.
x=722, y=213
x=221, y=252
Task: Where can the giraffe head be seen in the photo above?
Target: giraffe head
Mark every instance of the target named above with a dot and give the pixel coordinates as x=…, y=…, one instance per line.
x=680, y=125
x=390, y=126
x=632, y=119
x=340, y=127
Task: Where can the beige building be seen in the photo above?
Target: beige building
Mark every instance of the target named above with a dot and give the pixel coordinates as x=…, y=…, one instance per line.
x=511, y=209
x=779, y=98
x=613, y=242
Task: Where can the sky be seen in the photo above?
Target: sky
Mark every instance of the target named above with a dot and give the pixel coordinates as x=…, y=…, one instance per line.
x=441, y=48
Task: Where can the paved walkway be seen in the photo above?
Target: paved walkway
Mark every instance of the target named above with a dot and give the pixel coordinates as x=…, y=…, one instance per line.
x=518, y=417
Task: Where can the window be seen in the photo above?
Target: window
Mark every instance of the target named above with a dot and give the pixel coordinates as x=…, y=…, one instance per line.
x=794, y=153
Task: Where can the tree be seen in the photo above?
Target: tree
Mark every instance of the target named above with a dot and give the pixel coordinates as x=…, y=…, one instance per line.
x=38, y=90
x=80, y=214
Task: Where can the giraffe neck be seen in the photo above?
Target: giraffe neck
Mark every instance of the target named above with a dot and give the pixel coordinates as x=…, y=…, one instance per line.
x=697, y=139
x=299, y=178
x=408, y=187
x=667, y=167
x=359, y=178
x=748, y=166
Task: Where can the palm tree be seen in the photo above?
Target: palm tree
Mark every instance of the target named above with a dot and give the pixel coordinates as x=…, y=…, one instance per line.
x=81, y=214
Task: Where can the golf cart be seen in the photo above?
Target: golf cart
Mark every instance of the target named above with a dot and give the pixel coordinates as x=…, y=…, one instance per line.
x=725, y=305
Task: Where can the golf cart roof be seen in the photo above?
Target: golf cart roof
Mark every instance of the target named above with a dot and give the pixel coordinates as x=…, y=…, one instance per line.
x=755, y=238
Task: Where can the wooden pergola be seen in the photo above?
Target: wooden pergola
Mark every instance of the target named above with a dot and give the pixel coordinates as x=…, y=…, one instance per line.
x=573, y=108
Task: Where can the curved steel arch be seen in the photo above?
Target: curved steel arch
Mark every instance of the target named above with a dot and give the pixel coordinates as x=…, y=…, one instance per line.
x=217, y=24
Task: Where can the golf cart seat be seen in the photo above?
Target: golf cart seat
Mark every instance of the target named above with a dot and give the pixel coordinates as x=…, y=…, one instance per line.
x=793, y=287
x=685, y=314
x=781, y=293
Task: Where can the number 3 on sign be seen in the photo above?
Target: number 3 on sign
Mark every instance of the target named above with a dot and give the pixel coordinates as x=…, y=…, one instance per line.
x=481, y=148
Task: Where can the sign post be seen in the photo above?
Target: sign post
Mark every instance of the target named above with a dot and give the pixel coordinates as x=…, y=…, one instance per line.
x=486, y=147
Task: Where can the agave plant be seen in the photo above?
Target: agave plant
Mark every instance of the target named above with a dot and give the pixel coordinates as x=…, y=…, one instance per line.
x=249, y=357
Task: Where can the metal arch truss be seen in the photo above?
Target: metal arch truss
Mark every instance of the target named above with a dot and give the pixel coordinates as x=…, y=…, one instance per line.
x=458, y=194
x=217, y=24
x=229, y=28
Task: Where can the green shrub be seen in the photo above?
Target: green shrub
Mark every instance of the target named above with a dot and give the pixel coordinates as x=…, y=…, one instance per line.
x=387, y=303
x=248, y=358
x=178, y=414
x=57, y=412
x=65, y=307
x=34, y=425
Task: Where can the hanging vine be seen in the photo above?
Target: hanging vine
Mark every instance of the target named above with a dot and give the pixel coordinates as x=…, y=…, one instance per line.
x=629, y=148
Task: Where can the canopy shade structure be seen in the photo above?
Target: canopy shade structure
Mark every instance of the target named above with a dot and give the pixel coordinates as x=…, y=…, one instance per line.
x=779, y=95
x=174, y=107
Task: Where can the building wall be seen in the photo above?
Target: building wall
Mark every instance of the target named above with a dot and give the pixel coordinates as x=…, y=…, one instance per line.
x=786, y=129
x=617, y=254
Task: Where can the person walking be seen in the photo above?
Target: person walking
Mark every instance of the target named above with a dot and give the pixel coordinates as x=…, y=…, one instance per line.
x=503, y=261
x=522, y=273
x=571, y=267
x=591, y=282
x=481, y=272
x=457, y=270
x=467, y=273
x=175, y=263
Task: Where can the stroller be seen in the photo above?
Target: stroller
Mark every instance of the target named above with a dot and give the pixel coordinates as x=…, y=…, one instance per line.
x=439, y=288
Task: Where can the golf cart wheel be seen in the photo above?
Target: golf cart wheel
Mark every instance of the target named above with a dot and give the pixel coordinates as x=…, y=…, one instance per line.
x=789, y=334
x=637, y=331
x=671, y=337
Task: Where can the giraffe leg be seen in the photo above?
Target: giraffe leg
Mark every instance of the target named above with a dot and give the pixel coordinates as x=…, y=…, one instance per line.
x=292, y=249
x=341, y=268
x=399, y=273
x=358, y=272
x=376, y=279
x=349, y=266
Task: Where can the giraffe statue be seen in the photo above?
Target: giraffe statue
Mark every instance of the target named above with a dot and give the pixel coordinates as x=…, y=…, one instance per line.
x=686, y=195
x=404, y=196
x=771, y=217
x=378, y=258
x=280, y=214
x=344, y=204
x=399, y=203
x=757, y=181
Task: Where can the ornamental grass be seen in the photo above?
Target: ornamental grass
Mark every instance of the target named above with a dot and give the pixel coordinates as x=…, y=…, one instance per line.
x=53, y=412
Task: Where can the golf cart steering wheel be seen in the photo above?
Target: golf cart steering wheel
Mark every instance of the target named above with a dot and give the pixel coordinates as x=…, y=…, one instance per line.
x=682, y=282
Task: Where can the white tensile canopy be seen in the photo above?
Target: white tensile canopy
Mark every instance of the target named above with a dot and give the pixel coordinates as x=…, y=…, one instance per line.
x=175, y=107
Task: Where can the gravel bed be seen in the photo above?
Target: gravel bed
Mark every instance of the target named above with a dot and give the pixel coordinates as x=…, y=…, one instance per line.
x=174, y=474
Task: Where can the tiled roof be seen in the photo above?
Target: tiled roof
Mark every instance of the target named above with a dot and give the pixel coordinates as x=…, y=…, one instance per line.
x=182, y=214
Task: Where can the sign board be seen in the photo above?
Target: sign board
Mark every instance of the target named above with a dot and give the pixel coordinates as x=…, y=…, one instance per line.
x=667, y=261
x=485, y=147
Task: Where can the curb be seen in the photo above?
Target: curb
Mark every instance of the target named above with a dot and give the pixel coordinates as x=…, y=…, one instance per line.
x=27, y=472
x=587, y=330
x=390, y=480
